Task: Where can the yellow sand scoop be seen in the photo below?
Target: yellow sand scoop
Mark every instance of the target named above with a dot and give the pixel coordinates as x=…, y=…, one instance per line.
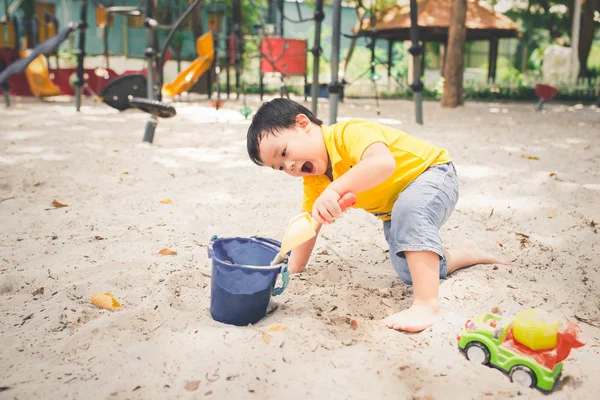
x=304, y=227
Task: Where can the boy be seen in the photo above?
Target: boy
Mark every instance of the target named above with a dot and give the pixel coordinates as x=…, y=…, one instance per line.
x=408, y=183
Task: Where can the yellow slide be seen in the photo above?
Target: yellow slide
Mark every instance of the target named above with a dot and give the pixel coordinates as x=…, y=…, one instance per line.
x=188, y=78
x=38, y=77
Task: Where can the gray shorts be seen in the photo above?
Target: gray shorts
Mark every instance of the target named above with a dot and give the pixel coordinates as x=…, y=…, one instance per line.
x=418, y=213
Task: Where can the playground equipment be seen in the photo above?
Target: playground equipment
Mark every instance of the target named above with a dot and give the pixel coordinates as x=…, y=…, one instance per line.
x=114, y=92
x=235, y=46
x=544, y=93
x=38, y=76
x=38, y=73
x=41, y=81
x=286, y=57
x=132, y=83
x=153, y=104
x=36, y=79
x=12, y=30
x=188, y=78
x=529, y=347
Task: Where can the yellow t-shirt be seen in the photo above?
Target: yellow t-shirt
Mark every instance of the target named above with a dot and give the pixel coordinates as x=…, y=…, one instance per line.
x=346, y=143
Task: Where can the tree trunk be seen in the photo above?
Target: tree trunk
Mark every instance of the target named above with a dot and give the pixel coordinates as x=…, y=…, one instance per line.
x=588, y=26
x=196, y=19
x=455, y=59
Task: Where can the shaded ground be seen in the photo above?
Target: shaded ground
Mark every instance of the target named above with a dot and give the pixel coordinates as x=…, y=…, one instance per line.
x=529, y=190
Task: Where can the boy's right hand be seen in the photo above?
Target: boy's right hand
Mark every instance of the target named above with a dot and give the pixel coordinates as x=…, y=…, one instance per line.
x=326, y=207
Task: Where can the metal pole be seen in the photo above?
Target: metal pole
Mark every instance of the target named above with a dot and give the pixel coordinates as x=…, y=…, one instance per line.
x=156, y=55
x=150, y=128
x=6, y=96
x=150, y=52
x=81, y=55
x=237, y=44
x=316, y=52
x=335, y=87
x=416, y=50
x=281, y=19
x=105, y=40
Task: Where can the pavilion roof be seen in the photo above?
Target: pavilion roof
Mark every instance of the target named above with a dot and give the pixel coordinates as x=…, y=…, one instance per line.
x=434, y=19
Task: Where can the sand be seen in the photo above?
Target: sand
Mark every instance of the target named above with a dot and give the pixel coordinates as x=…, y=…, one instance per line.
x=530, y=191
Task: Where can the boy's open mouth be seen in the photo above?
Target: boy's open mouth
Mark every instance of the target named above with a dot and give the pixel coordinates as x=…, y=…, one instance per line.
x=307, y=167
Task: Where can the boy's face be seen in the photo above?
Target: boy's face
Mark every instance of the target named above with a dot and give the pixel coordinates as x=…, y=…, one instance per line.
x=298, y=151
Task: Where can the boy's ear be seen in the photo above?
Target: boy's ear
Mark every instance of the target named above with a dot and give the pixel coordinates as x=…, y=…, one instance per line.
x=302, y=121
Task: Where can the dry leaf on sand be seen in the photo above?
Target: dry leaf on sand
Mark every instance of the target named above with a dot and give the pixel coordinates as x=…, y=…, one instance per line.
x=58, y=205
x=192, y=385
x=277, y=328
x=266, y=337
x=166, y=201
x=167, y=252
x=354, y=325
x=530, y=157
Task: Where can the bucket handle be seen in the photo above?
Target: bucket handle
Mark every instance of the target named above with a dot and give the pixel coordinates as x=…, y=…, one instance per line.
x=209, y=248
x=285, y=278
x=272, y=242
x=266, y=240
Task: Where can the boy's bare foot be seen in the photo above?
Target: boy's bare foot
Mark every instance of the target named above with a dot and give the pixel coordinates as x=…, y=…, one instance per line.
x=469, y=254
x=425, y=309
x=414, y=319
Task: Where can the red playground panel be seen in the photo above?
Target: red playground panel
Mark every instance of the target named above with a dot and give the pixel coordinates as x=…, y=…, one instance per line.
x=96, y=78
x=286, y=56
x=545, y=92
x=18, y=82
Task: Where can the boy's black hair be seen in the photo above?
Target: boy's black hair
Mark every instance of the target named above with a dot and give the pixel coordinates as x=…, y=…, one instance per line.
x=271, y=117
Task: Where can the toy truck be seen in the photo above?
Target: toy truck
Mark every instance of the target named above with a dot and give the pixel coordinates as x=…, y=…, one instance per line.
x=530, y=347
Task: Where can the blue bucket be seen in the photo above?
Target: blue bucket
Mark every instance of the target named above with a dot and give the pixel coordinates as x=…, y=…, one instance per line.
x=242, y=280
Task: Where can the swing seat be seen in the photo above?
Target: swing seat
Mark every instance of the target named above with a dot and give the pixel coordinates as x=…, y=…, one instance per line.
x=545, y=92
x=118, y=91
x=154, y=107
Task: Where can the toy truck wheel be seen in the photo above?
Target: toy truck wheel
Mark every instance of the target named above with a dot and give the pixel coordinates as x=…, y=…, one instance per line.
x=522, y=375
x=477, y=352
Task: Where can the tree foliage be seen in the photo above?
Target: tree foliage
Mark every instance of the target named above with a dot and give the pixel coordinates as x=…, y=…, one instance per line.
x=543, y=22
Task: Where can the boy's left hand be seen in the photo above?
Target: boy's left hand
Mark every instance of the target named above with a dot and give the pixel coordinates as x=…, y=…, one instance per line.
x=326, y=207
